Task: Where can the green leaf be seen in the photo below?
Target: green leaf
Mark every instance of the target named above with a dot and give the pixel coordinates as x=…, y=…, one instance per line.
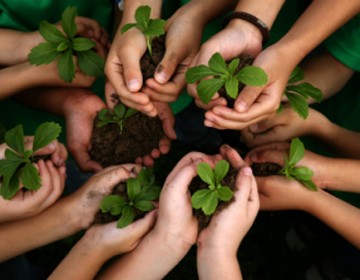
x=142, y=17
x=8, y=167
x=113, y=204
x=206, y=173
x=302, y=173
x=68, y=21
x=225, y=193
x=11, y=155
x=10, y=186
x=62, y=46
x=66, y=66
x=133, y=187
x=210, y=204
x=82, y=44
x=298, y=103
x=44, y=53
x=297, y=151
x=119, y=110
x=150, y=193
x=144, y=205
x=51, y=33
x=233, y=65
x=91, y=63
x=127, y=216
x=127, y=26
x=30, y=177
x=252, y=76
x=296, y=75
x=199, y=197
x=306, y=90
x=156, y=28
x=14, y=138
x=207, y=88
x=197, y=73
x=129, y=113
x=218, y=64
x=220, y=170
x=232, y=87
x=45, y=134
x=310, y=185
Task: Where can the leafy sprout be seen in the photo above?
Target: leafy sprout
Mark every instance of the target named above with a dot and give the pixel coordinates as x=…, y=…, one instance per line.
x=151, y=28
x=141, y=192
x=118, y=116
x=63, y=44
x=208, y=199
x=18, y=163
x=223, y=74
x=302, y=174
x=298, y=93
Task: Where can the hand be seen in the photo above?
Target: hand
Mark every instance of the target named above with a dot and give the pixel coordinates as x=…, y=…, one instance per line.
x=284, y=126
x=29, y=203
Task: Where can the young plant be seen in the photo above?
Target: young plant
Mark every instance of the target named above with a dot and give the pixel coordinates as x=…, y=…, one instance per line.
x=63, y=45
x=151, y=28
x=301, y=173
x=223, y=74
x=141, y=192
x=208, y=199
x=118, y=116
x=18, y=163
x=298, y=94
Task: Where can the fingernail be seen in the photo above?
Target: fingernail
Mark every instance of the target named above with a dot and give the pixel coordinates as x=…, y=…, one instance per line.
x=246, y=171
x=161, y=77
x=241, y=106
x=208, y=123
x=254, y=157
x=133, y=85
x=52, y=146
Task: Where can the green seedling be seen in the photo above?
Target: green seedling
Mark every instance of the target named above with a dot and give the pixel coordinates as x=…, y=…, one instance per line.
x=151, y=28
x=18, y=163
x=301, y=173
x=298, y=93
x=63, y=45
x=223, y=74
x=208, y=199
x=141, y=192
x=118, y=116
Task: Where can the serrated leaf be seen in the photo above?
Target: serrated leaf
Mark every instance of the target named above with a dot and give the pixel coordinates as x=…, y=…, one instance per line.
x=51, y=33
x=82, y=44
x=127, y=26
x=133, y=187
x=218, y=64
x=156, y=28
x=119, y=110
x=232, y=87
x=198, y=198
x=233, y=65
x=302, y=173
x=68, y=21
x=144, y=205
x=10, y=186
x=306, y=90
x=297, y=151
x=296, y=75
x=210, y=204
x=45, y=134
x=91, y=63
x=207, y=88
x=309, y=185
x=252, y=76
x=205, y=173
x=225, y=193
x=298, y=103
x=8, y=167
x=66, y=66
x=197, y=73
x=14, y=138
x=127, y=216
x=220, y=170
x=113, y=204
x=30, y=177
x=142, y=17
x=11, y=155
x=27, y=155
x=150, y=193
x=44, y=53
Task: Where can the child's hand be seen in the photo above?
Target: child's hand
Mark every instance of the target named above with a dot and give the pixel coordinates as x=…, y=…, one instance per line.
x=29, y=203
x=284, y=126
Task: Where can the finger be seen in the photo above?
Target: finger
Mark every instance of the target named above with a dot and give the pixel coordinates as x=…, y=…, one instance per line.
x=167, y=66
x=148, y=109
x=57, y=181
x=167, y=118
x=155, y=153
x=232, y=156
x=164, y=145
x=246, y=98
x=275, y=156
x=148, y=161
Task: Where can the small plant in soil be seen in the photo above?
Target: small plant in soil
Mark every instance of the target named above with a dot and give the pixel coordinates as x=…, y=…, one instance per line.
x=232, y=76
x=18, y=163
x=63, y=45
x=298, y=93
x=118, y=116
x=133, y=202
x=151, y=28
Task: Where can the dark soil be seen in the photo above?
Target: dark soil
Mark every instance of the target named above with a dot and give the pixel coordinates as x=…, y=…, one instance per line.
x=265, y=169
x=244, y=61
x=197, y=184
x=141, y=134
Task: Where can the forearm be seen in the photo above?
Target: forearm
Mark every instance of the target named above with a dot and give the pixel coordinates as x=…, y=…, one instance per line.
x=338, y=215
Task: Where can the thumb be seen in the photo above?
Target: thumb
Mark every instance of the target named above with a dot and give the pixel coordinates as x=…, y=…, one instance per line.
x=167, y=66
x=246, y=98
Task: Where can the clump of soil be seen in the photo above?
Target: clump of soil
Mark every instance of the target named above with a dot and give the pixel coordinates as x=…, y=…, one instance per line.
x=197, y=184
x=141, y=134
x=265, y=169
x=244, y=61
